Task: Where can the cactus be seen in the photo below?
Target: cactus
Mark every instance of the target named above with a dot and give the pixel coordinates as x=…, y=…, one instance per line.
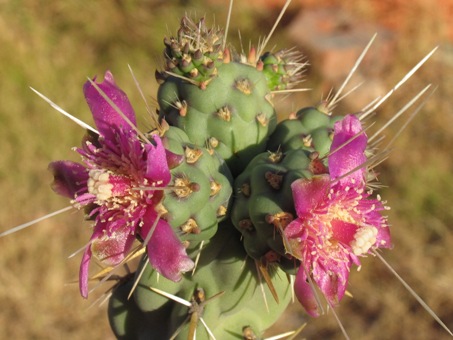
x=220, y=99
x=236, y=119
x=195, y=53
x=263, y=204
x=230, y=205
x=201, y=184
x=180, y=176
x=236, y=303
x=310, y=128
x=283, y=69
x=129, y=322
x=296, y=213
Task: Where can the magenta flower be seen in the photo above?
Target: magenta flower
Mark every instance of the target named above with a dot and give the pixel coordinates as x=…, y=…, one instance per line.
x=337, y=220
x=116, y=165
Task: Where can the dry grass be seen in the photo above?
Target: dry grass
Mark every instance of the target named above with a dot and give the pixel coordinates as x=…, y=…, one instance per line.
x=56, y=45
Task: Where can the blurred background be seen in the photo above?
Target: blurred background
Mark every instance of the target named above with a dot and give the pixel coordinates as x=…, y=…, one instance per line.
x=54, y=46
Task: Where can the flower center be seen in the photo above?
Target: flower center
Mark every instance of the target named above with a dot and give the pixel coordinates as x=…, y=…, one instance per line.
x=348, y=225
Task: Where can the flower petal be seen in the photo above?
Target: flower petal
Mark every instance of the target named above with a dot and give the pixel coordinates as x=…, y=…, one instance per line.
x=157, y=166
x=351, y=155
x=343, y=231
x=295, y=234
x=373, y=217
x=165, y=251
x=112, y=249
x=331, y=276
x=69, y=178
x=106, y=118
x=83, y=272
x=310, y=193
x=86, y=259
x=305, y=294
x=383, y=238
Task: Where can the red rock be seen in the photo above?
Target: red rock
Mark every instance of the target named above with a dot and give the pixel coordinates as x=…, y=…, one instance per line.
x=334, y=39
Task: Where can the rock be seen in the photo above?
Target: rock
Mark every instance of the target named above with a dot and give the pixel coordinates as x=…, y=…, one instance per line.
x=333, y=39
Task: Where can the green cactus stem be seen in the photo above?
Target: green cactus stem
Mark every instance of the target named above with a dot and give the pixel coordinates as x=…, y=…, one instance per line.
x=230, y=299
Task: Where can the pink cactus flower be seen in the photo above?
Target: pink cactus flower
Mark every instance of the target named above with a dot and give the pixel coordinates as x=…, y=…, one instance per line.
x=116, y=164
x=337, y=220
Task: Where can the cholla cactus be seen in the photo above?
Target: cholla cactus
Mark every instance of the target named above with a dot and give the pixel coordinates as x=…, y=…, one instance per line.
x=222, y=100
x=301, y=195
x=231, y=299
x=283, y=69
x=310, y=129
x=233, y=210
x=195, y=53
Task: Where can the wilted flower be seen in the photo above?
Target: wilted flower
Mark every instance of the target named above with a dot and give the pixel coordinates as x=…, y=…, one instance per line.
x=337, y=220
x=111, y=183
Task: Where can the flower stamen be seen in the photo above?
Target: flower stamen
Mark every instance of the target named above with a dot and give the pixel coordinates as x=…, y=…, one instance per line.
x=364, y=239
x=99, y=185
